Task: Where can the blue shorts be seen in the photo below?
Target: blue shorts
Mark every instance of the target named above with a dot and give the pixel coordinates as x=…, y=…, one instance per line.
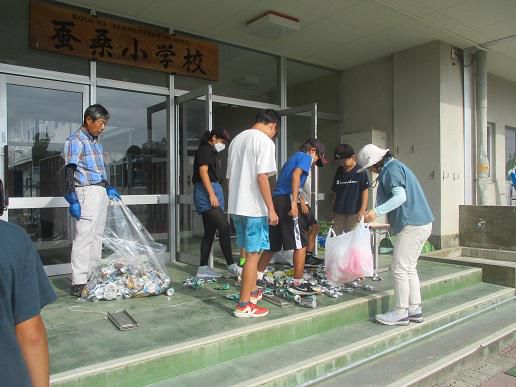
x=252, y=232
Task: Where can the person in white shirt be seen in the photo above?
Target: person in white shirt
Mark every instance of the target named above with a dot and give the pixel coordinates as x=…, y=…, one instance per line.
x=251, y=161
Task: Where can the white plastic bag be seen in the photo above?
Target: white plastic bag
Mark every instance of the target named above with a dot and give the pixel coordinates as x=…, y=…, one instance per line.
x=348, y=255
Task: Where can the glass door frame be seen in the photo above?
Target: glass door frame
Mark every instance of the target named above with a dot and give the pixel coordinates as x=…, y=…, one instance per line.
x=21, y=203
x=202, y=93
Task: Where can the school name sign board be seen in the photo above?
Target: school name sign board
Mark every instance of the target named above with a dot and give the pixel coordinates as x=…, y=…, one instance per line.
x=66, y=31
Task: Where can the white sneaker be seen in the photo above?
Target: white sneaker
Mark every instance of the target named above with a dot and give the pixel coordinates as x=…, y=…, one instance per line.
x=206, y=272
x=394, y=317
x=415, y=314
x=234, y=270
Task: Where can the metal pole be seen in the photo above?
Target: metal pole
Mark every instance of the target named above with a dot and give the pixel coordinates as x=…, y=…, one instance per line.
x=481, y=106
x=173, y=183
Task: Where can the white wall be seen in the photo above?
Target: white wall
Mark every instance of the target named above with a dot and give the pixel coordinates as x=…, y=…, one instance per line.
x=501, y=110
x=416, y=96
x=367, y=98
x=417, y=136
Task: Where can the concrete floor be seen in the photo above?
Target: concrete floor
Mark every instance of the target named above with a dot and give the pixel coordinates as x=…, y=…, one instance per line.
x=79, y=334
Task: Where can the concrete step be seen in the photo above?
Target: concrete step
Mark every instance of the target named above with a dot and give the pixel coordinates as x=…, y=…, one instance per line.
x=498, y=267
x=433, y=358
x=255, y=336
x=299, y=361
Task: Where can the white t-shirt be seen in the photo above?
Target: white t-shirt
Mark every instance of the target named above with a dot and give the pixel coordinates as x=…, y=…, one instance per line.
x=250, y=153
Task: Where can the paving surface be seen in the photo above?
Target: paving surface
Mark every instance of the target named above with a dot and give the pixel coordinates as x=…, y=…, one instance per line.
x=488, y=372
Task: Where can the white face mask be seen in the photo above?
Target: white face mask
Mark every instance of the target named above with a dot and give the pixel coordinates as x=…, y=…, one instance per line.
x=219, y=147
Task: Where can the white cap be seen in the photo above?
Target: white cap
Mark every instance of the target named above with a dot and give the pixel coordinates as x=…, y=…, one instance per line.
x=369, y=156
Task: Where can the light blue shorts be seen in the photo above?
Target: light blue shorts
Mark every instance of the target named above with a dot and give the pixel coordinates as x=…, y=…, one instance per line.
x=252, y=232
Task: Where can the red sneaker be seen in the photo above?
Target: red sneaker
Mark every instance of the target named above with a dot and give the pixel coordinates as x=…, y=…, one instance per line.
x=250, y=310
x=256, y=296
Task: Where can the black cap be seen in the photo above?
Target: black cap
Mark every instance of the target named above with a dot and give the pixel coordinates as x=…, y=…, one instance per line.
x=342, y=152
x=319, y=148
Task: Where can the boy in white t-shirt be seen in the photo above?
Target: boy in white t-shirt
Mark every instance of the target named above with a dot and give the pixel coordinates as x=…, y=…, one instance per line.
x=251, y=160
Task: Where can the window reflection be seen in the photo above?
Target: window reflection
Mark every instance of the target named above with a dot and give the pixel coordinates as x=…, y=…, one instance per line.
x=135, y=141
x=38, y=122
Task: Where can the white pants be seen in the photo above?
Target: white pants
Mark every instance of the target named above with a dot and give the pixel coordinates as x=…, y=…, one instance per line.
x=87, y=244
x=407, y=248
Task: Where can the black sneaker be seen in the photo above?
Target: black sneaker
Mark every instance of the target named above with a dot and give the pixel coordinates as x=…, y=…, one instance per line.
x=303, y=289
x=262, y=284
x=76, y=290
x=311, y=261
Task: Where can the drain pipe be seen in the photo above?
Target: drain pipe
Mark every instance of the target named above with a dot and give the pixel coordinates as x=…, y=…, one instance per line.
x=481, y=108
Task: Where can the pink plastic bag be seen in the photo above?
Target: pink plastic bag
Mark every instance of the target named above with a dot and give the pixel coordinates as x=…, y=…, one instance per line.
x=349, y=255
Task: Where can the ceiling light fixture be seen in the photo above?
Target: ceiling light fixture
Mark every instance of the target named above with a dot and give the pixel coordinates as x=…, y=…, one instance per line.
x=273, y=25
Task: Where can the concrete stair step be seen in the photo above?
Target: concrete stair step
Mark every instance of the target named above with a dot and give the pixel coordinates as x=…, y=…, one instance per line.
x=191, y=355
x=498, y=267
x=435, y=357
x=299, y=361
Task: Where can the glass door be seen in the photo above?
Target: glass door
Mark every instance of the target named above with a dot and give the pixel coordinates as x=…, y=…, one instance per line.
x=39, y=116
x=135, y=146
x=193, y=118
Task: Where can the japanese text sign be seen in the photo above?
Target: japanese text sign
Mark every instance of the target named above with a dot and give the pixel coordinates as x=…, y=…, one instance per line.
x=66, y=31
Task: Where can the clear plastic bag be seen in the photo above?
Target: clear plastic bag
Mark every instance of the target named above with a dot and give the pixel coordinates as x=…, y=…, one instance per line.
x=133, y=269
x=349, y=256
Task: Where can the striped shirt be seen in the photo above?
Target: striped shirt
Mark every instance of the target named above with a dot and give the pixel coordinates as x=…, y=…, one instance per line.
x=85, y=151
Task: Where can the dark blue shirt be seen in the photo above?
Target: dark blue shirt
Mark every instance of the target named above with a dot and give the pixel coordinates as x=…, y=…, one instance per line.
x=300, y=160
x=348, y=188
x=24, y=290
x=415, y=211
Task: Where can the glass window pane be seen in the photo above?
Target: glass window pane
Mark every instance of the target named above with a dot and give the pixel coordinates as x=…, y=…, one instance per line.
x=49, y=229
x=154, y=217
x=135, y=141
x=243, y=73
x=38, y=122
x=308, y=84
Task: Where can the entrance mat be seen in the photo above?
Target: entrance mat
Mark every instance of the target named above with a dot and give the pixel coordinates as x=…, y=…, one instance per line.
x=511, y=372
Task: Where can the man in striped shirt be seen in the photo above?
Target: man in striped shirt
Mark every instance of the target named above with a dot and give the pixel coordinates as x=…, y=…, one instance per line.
x=87, y=191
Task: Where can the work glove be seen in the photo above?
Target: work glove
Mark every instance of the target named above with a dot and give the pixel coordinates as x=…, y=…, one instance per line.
x=75, y=206
x=112, y=193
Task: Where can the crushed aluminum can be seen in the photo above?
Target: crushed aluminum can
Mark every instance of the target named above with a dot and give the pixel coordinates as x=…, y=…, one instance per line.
x=170, y=292
x=308, y=302
x=222, y=286
x=110, y=292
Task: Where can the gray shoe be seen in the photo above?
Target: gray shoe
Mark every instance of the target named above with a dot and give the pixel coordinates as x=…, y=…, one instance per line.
x=415, y=315
x=234, y=270
x=394, y=317
x=206, y=272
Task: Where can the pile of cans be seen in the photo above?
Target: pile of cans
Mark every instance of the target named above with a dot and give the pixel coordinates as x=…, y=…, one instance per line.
x=196, y=283
x=115, y=280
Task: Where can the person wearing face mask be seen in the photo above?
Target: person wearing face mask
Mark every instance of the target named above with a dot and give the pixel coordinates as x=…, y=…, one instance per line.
x=209, y=202
x=288, y=235
x=402, y=199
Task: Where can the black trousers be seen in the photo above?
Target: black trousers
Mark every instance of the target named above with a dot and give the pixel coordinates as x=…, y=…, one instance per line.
x=214, y=220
